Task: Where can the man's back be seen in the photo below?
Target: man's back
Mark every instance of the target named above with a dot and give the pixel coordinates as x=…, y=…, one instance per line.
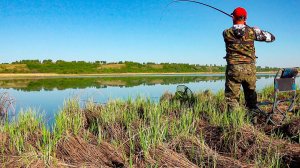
x=239, y=41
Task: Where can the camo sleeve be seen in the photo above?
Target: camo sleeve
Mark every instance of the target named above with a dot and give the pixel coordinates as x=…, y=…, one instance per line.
x=261, y=35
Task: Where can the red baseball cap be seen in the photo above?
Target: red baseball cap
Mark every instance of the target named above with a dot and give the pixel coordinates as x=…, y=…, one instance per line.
x=239, y=12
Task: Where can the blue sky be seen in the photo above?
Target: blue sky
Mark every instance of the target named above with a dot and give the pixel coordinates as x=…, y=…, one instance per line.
x=142, y=30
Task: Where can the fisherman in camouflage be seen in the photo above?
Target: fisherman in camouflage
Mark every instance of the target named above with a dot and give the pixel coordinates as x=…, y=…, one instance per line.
x=240, y=57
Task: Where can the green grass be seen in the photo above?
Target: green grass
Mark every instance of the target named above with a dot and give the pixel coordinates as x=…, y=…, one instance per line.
x=144, y=124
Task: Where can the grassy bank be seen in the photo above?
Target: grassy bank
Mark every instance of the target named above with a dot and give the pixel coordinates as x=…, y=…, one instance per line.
x=102, y=67
x=142, y=133
x=43, y=75
x=35, y=75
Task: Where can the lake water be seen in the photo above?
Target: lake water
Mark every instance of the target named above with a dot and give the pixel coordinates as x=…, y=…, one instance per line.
x=48, y=94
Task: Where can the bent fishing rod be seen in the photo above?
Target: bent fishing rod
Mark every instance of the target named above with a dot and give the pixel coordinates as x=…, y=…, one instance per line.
x=199, y=3
x=204, y=4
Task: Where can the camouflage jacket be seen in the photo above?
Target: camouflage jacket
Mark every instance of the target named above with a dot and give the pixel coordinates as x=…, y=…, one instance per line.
x=239, y=41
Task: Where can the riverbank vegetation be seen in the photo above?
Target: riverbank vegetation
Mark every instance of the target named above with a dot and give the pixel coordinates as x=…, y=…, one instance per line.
x=82, y=67
x=143, y=133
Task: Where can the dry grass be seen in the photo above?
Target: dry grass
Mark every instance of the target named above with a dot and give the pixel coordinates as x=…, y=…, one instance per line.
x=203, y=155
x=112, y=66
x=165, y=157
x=78, y=152
x=14, y=67
x=154, y=66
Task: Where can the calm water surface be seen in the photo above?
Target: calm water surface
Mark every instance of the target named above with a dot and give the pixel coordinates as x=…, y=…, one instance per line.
x=48, y=94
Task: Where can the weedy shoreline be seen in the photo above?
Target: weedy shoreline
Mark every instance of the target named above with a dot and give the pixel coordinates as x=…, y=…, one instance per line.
x=143, y=133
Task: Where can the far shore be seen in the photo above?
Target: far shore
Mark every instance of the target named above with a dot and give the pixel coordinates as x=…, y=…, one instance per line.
x=37, y=75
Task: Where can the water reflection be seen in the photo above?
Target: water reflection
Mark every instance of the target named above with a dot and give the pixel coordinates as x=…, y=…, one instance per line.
x=48, y=94
x=50, y=84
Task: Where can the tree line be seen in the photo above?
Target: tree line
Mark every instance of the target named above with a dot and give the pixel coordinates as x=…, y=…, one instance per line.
x=80, y=67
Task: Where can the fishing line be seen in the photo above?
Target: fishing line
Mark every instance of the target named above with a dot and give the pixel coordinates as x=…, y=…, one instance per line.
x=200, y=3
x=195, y=2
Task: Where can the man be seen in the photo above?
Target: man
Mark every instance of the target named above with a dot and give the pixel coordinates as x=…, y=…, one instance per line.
x=240, y=57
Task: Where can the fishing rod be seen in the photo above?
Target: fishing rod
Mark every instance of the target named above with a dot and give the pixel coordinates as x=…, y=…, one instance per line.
x=200, y=3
